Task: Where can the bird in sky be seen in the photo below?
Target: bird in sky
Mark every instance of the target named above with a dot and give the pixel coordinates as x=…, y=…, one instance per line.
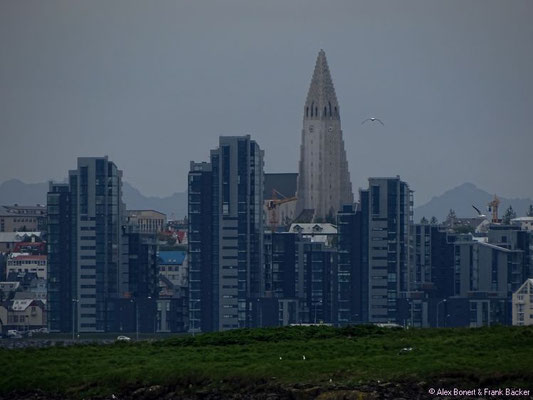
x=373, y=120
x=479, y=214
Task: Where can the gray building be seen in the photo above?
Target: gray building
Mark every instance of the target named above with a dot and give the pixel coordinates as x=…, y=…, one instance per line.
x=387, y=214
x=461, y=280
x=226, y=236
x=351, y=277
x=485, y=276
x=300, y=276
x=17, y=218
x=86, y=264
x=323, y=180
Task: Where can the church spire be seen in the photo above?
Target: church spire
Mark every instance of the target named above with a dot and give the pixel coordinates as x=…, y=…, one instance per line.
x=323, y=180
x=321, y=98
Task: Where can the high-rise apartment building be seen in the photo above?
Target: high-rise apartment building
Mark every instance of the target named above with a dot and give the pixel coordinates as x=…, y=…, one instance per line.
x=351, y=278
x=300, y=275
x=226, y=236
x=387, y=212
x=324, y=180
x=60, y=272
x=86, y=232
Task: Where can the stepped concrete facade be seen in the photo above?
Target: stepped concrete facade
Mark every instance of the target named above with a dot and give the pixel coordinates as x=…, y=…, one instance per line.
x=324, y=180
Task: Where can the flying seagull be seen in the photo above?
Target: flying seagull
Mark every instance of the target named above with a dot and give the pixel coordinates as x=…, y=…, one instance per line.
x=372, y=120
x=479, y=214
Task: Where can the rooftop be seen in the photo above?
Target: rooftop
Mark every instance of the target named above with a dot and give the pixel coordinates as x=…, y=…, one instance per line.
x=172, y=257
x=313, y=228
x=22, y=210
x=26, y=257
x=522, y=219
x=17, y=236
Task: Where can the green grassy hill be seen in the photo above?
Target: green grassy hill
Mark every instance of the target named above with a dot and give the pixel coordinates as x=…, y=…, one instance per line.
x=351, y=356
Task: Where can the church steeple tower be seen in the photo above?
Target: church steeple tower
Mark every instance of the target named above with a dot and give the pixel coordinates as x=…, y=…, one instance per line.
x=321, y=98
x=323, y=180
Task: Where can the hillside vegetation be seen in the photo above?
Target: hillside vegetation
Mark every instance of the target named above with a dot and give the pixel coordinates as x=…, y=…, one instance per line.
x=349, y=356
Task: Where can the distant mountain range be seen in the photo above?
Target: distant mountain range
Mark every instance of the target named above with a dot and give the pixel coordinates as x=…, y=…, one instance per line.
x=14, y=191
x=174, y=206
x=460, y=199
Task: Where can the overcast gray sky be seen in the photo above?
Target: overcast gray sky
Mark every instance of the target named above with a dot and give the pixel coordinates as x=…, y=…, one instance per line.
x=153, y=85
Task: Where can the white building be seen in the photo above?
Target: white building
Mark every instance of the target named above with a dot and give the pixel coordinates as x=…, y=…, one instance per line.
x=147, y=221
x=525, y=223
x=173, y=265
x=22, y=262
x=323, y=233
x=523, y=304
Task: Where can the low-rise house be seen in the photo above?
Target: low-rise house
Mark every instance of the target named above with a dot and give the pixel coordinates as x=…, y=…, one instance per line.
x=525, y=223
x=26, y=263
x=33, y=248
x=172, y=315
x=17, y=218
x=22, y=315
x=8, y=240
x=147, y=221
x=8, y=289
x=173, y=266
x=35, y=290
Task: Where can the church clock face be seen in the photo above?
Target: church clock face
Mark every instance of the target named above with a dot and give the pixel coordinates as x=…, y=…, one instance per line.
x=330, y=129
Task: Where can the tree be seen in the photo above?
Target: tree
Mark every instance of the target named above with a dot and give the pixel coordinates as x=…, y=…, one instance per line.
x=450, y=219
x=508, y=216
x=434, y=221
x=530, y=211
x=423, y=221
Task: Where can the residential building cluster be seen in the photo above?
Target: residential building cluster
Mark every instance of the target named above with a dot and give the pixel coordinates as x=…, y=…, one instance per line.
x=104, y=261
x=23, y=277
x=323, y=258
x=259, y=249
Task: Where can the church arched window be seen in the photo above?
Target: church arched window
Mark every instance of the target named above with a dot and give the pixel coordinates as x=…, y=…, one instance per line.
x=325, y=111
x=312, y=108
x=329, y=102
x=306, y=111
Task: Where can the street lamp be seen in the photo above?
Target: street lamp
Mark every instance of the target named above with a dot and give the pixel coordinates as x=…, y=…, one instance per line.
x=442, y=301
x=74, y=309
x=150, y=307
x=319, y=302
x=192, y=314
x=260, y=313
x=134, y=301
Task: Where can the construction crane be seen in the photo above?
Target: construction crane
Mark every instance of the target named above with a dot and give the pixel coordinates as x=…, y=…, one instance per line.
x=493, y=207
x=272, y=206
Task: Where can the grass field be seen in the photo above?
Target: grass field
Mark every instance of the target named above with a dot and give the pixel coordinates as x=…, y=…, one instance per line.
x=351, y=356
